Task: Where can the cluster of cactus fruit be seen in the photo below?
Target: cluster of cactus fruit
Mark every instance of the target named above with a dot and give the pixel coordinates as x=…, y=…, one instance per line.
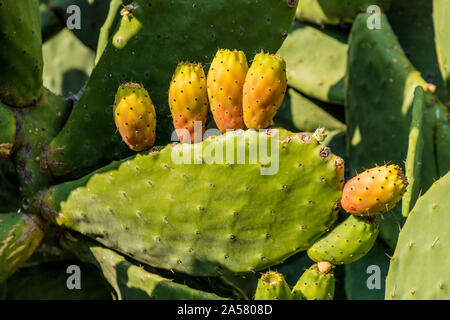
x=91, y=178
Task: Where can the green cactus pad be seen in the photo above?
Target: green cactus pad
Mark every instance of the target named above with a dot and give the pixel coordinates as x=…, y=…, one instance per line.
x=108, y=28
x=316, y=62
x=7, y=131
x=315, y=285
x=67, y=63
x=365, y=279
x=419, y=267
x=441, y=12
x=146, y=49
x=413, y=164
x=39, y=124
x=20, y=234
x=196, y=218
x=346, y=243
x=128, y=280
x=335, y=11
x=299, y=113
x=413, y=25
x=380, y=85
x=21, y=54
x=273, y=286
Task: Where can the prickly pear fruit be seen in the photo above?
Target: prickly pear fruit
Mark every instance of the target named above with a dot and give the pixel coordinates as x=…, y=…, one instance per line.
x=264, y=90
x=316, y=283
x=374, y=191
x=225, y=81
x=272, y=286
x=346, y=243
x=135, y=116
x=188, y=101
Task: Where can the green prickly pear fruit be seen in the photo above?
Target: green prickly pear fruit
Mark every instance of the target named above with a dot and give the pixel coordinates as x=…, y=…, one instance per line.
x=346, y=243
x=188, y=101
x=135, y=116
x=264, y=90
x=374, y=191
x=272, y=286
x=316, y=283
x=225, y=81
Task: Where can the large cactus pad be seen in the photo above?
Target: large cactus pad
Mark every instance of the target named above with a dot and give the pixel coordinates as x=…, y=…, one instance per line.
x=203, y=219
x=419, y=267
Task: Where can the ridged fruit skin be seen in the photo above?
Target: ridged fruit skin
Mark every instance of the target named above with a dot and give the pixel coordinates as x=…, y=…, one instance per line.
x=374, y=191
x=347, y=242
x=135, y=116
x=315, y=285
x=273, y=286
x=188, y=101
x=226, y=77
x=264, y=90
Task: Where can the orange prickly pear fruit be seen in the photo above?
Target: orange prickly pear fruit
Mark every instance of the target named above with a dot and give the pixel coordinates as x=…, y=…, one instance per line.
x=225, y=81
x=188, y=101
x=264, y=90
x=135, y=116
x=374, y=191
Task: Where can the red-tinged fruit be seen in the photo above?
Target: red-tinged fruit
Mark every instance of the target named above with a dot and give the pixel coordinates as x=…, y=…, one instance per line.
x=135, y=116
x=374, y=191
x=264, y=90
x=225, y=81
x=188, y=101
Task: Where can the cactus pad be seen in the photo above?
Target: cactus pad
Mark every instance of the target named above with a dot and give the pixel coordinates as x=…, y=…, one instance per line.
x=419, y=267
x=171, y=209
x=21, y=54
x=20, y=234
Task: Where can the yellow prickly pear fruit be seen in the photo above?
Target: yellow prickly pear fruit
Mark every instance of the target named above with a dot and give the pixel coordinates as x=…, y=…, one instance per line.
x=264, y=90
x=225, y=81
x=374, y=191
x=135, y=116
x=188, y=101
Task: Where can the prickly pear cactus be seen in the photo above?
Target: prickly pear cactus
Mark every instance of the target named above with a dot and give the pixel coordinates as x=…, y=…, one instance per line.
x=135, y=116
x=316, y=61
x=188, y=101
x=38, y=125
x=21, y=55
x=226, y=77
x=211, y=225
x=148, y=53
x=7, y=131
x=20, y=234
x=335, y=11
x=129, y=281
x=264, y=89
x=419, y=267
